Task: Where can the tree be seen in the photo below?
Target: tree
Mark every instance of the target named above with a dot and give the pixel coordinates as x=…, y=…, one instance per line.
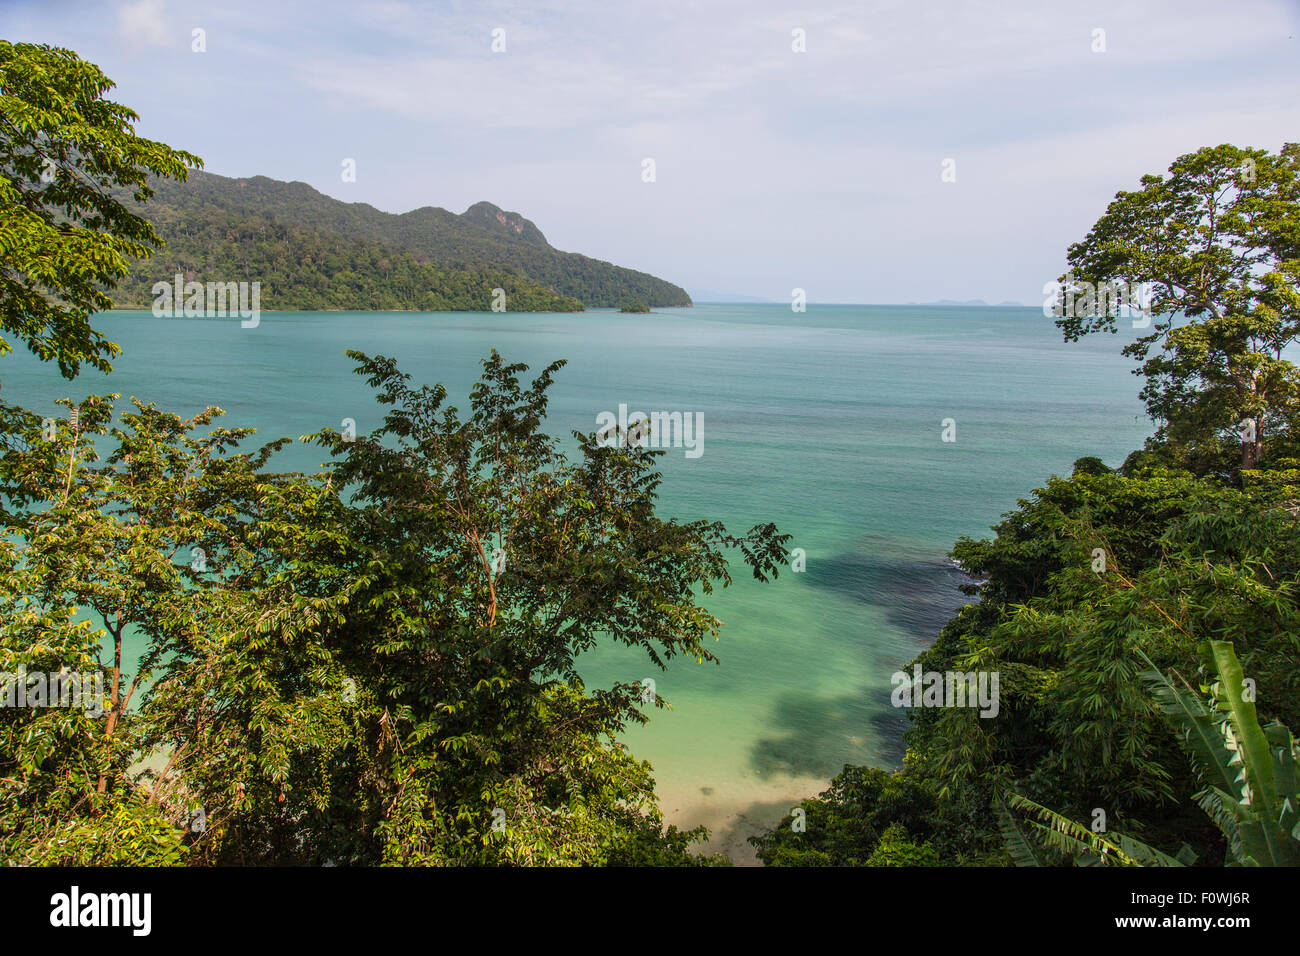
x=65, y=236
x=866, y=817
x=375, y=664
x=490, y=563
x=1249, y=773
x=1084, y=587
x=1217, y=245
x=69, y=541
x=1082, y=580
x=1100, y=581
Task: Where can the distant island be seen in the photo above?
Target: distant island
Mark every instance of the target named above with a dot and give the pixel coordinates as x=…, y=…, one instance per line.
x=635, y=307
x=313, y=252
x=975, y=303
x=731, y=298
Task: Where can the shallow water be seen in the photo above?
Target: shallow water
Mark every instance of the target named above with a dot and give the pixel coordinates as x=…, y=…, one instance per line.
x=828, y=423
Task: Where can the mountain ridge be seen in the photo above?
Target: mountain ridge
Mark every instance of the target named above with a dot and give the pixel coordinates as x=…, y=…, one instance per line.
x=483, y=239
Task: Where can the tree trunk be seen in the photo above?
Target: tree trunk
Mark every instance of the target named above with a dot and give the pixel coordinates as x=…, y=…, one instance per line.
x=1252, y=449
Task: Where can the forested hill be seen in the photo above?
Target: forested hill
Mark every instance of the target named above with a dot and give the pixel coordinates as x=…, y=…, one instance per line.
x=312, y=251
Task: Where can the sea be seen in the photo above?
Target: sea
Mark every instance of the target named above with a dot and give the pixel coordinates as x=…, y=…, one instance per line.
x=874, y=435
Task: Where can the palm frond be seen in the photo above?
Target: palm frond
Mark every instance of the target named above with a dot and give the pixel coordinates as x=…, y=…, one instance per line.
x=1076, y=840
x=1019, y=846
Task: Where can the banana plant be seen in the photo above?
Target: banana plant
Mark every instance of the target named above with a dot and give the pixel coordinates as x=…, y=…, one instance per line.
x=1249, y=771
x=1067, y=836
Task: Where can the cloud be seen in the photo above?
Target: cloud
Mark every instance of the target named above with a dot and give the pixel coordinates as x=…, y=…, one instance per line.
x=143, y=22
x=775, y=168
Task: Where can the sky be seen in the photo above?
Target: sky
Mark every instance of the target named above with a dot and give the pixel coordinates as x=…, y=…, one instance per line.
x=909, y=152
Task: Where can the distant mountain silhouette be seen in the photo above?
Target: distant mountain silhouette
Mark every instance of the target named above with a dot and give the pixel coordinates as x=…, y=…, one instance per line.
x=974, y=303
x=313, y=251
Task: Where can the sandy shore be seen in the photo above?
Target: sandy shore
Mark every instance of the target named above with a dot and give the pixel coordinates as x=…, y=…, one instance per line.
x=736, y=812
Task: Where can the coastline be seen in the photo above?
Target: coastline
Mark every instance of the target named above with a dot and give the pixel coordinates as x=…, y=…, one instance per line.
x=737, y=813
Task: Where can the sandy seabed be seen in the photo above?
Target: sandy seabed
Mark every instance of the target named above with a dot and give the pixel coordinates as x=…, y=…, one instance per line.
x=737, y=811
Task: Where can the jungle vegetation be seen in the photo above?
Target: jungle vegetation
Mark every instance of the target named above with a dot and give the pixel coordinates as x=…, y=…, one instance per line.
x=371, y=665
x=1130, y=611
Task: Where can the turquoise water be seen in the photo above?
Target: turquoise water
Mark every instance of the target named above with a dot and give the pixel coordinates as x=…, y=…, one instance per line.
x=828, y=423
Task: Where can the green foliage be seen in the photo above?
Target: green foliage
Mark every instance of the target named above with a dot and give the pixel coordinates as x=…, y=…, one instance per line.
x=211, y=219
x=1101, y=582
x=1090, y=465
x=337, y=668
x=896, y=849
x=1064, y=839
x=129, y=832
x=70, y=163
x=1249, y=772
x=1185, y=561
x=1218, y=241
x=303, y=269
x=871, y=817
x=60, y=773
x=379, y=663
x=1251, y=788
x=340, y=668
x=1020, y=848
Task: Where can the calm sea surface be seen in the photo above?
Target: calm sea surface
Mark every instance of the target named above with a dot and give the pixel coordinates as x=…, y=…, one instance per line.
x=828, y=423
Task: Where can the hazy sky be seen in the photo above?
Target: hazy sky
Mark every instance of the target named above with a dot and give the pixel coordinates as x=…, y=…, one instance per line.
x=774, y=168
